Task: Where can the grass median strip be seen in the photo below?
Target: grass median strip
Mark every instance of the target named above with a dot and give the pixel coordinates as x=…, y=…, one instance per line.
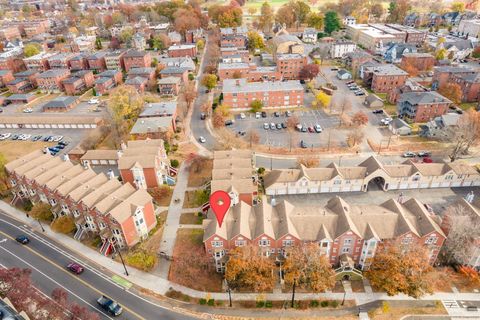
x=120, y=281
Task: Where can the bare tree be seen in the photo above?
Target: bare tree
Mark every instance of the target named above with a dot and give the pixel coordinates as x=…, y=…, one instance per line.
x=189, y=94
x=253, y=137
x=309, y=162
x=465, y=134
x=291, y=128
x=355, y=137
x=463, y=232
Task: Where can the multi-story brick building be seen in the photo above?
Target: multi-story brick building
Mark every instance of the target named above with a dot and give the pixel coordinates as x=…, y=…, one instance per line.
x=177, y=72
x=354, y=60
x=422, y=106
x=412, y=35
x=19, y=85
x=384, y=78
x=239, y=94
x=5, y=77
x=289, y=65
x=339, y=49
x=139, y=83
x=79, y=82
x=137, y=59
x=144, y=163
x=470, y=85
x=233, y=37
x=420, y=61
x=232, y=70
x=51, y=80
x=229, y=52
x=14, y=64
x=114, y=59
x=38, y=62
x=182, y=50
x=340, y=229
x=121, y=215
x=9, y=33
x=169, y=86
x=107, y=80
x=79, y=62
x=146, y=73
x=60, y=60
x=444, y=75
x=96, y=61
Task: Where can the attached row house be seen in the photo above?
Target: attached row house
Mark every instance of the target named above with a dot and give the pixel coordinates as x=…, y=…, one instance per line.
x=339, y=228
x=99, y=204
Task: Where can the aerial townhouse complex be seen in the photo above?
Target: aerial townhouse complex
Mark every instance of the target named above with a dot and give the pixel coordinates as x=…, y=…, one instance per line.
x=339, y=228
x=99, y=204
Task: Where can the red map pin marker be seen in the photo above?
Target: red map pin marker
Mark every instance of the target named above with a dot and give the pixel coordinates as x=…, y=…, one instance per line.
x=220, y=203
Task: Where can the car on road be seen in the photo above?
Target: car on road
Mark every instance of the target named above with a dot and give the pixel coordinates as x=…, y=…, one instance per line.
x=386, y=121
x=28, y=110
x=303, y=144
x=229, y=122
x=409, y=154
x=310, y=129
x=203, y=116
x=202, y=139
x=242, y=115
x=279, y=126
x=264, y=114
x=75, y=267
x=272, y=126
x=377, y=111
x=276, y=114
x=93, y=101
x=23, y=239
x=109, y=305
x=423, y=154
x=258, y=115
x=317, y=128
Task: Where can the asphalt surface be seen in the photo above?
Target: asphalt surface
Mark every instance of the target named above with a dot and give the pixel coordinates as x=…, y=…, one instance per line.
x=47, y=260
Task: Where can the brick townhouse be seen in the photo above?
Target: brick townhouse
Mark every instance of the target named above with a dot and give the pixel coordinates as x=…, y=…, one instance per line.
x=182, y=50
x=422, y=106
x=60, y=60
x=100, y=205
x=78, y=62
x=114, y=59
x=137, y=59
x=169, y=86
x=238, y=93
x=38, y=62
x=139, y=83
x=14, y=64
x=145, y=73
x=176, y=72
x=340, y=229
x=470, y=85
x=444, y=75
x=233, y=37
x=24, y=81
x=290, y=65
x=51, y=80
x=228, y=52
x=9, y=33
x=249, y=71
x=96, y=61
x=5, y=77
x=144, y=163
x=385, y=78
x=420, y=61
x=412, y=35
x=78, y=82
x=108, y=80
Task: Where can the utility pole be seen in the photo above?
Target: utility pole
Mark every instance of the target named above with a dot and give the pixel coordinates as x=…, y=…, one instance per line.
x=118, y=250
x=229, y=295
x=293, y=291
x=343, y=301
x=41, y=226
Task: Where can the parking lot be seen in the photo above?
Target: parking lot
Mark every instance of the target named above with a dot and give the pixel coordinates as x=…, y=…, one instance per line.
x=281, y=137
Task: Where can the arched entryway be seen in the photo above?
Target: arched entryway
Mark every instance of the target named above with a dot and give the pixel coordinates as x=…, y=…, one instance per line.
x=377, y=183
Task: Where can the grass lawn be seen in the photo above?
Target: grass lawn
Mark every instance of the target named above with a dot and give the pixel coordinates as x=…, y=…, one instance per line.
x=198, y=179
x=190, y=218
x=15, y=149
x=191, y=267
x=391, y=109
x=389, y=311
x=467, y=105
x=195, y=199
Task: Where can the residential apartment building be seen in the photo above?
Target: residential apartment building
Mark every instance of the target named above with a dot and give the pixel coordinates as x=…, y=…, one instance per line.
x=384, y=78
x=108, y=80
x=182, y=50
x=412, y=35
x=370, y=38
x=79, y=62
x=144, y=163
x=234, y=173
x=340, y=229
x=97, y=62
x=180, y=62
x=145, y=73
x=422, y=106
x=169, y=86
x=420, y=61
x=101, y=206
x=155, y=121
x=5, y=77
x=251, y=72
x=79, y=82
x=470, y=28
x=470, y=85
x=233, y=37
x=60, y=60
x=8, y=33
x=176, y=72
x=339, y=49
x=51, y=80
x=38, y=62
x=239, y=94
x=444, y=75
x=137, y=59
x=237, y=53
x=370, y=173
x=114, y=59
x=290, y=65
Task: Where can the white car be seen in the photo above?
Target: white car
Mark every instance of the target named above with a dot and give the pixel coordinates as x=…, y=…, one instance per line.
x=242, y=115
x=317, y=128
x=258, y=115
x=26, y=137
x=266, y=126
x=27, y=110
x=386, y=121
x=5, y=136
x=58, y=138
x=93, y=101
x=202, y=139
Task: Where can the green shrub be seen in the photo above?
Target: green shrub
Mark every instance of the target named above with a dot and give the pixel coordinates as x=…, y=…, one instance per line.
x=191, y=77
x=324, y=303
x=64, y=224
x=314, y=303
x=202, y=301
x=334, y=303
x=260, y=304
x=141, y=259
x=261, y=170
x=175, y=147
x=211, y=302
x=268, y=304
x=28, y=205
x=174, y=163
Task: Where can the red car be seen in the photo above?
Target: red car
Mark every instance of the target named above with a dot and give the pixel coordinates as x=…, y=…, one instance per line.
x=427, y=160
x=75, y=267
x=310, y=129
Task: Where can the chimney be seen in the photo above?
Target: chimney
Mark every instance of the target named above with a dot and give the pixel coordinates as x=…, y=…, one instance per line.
x=111, y=174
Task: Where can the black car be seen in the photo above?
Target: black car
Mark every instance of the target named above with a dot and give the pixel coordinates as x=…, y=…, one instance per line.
x=264, y=114
x=229, y=122
x=46, y=138
x=276, y=114
x=60, y=146
x=284, y=125
x=23, y=239
x=377, y=111
x=63, y=143
x=203, y=116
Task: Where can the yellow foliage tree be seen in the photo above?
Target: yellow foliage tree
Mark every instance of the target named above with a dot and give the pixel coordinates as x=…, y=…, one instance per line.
x=323, y=99
x=224, y=110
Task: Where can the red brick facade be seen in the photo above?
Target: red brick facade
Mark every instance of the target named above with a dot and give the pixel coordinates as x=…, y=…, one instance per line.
x=386, y=83
x=137, y=59
x=182, y=51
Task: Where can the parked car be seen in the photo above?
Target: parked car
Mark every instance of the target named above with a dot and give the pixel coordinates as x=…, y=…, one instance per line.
x=359, y=93
x=60, y=146
x=202, y=139
x=288, y=113
x=28, y=110
x=58, y=138
x=75, y=267
x=427, y=160
x=242, y=115
x=279, y=126
x=318, y=129
x=93, y=101
x=276, y=114
x=386, y=121
x=37, y=137
x=64, y=143
x=23, y=239
x=15, y=137
x=53, y=149
x=264, y=114
x=376, y=111
x=109, y=305
x=272, y=126
x=310, y=129
x=303, y=144
x=423, y=154
x=257, y=115
x=409, y=154
x=266, y=126
x=284, y=125
x=304, y=129
x=47, y=138
x=242, y=133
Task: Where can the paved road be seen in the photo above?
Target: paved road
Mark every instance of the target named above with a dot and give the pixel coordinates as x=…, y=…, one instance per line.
x=47, y=261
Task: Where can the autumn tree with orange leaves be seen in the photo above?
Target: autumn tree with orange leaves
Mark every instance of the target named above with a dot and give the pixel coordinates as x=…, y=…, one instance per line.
x=309, y=268
x=399, y=268
x=248, y=269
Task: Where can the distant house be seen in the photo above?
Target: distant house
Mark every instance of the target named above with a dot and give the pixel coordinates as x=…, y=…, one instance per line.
x=440, y=126
x=349, y=20
x=309, y=35
x=395, y=51
x=169, y=86
x=422, y=106
x=344, y=74
x=400, y=127
x=60, y=104
x=287, y=43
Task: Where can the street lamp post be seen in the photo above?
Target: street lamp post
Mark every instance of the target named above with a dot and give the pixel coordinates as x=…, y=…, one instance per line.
x=344, y=294
x=293, y=291
x=41, y=226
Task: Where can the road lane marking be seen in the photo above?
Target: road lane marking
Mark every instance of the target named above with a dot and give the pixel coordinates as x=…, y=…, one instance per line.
x=54, y=281
x=121, y=281
x=67, y=272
